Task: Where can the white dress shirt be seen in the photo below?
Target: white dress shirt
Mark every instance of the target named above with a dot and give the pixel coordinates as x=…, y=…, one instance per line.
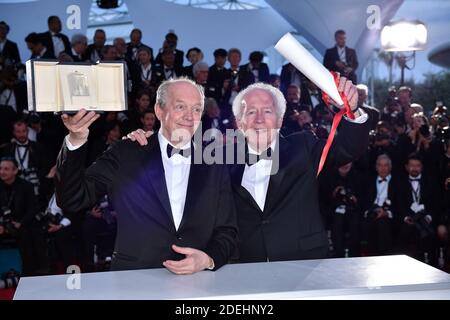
x=58, y=44
x=176, y=172
x=146, y=72
x=54, y=209
x=415, y=193
x=382, y=190
x=382, y=193
x=257, y=176
x=169, y=73
x=341, y=54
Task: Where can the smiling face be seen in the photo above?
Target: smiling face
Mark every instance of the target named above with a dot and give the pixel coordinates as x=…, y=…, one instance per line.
x=181, y=115
x=259, y=120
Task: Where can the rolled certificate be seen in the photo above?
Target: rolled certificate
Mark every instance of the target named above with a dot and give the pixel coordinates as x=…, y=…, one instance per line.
x=304, y=61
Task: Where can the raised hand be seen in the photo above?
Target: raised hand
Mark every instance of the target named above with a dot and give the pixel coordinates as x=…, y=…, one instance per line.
x=78, y=125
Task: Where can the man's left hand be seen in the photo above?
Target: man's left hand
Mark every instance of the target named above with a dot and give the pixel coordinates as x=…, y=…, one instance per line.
x=196, y=260
x=349, y=89
x=53, y=228
x=16, y=224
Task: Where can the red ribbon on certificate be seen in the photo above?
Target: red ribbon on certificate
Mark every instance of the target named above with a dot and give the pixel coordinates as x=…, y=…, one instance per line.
x=336, y=120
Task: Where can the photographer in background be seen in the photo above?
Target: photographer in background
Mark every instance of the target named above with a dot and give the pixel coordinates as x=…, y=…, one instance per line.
x=418, y=196
x=420, y=133
x=342, y=187
x=380, y=207
x=99, y=231
x=59, y=231
x=17, y=224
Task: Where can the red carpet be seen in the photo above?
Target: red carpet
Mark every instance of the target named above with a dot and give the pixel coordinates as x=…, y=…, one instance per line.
x=7, y=294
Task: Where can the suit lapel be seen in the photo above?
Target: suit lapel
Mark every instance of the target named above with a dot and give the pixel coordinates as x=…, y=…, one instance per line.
x=196, y=180
x=276, y=179
x=155, y=173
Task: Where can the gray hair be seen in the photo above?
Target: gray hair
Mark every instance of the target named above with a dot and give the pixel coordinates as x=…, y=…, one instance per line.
x=118, y=39
x=363, y=87
x=78, y=38
x=163, y=89
x=384, y=156
x=199, y=66
x=277, y=96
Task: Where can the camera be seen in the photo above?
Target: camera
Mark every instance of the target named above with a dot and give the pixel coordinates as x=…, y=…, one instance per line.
x=106, y=209
x=45, y=218
x=424, y=130
x=10, y=279
x=30, y=175
x=372, y=213
x=443, y=134
x=422, y=225
x=346, y=197
x=6, y=220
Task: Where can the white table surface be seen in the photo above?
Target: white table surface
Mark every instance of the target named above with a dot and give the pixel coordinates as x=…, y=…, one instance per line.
x=383, y=277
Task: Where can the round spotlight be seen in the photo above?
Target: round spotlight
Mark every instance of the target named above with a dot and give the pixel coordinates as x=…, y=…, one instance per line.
x=404, y=36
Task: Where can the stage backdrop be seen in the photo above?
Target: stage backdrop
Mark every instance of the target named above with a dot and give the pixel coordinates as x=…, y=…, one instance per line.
x=26, y=17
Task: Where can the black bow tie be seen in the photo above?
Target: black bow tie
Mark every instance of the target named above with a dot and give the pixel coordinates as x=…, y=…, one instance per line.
x=251, y=158
x=22, y=145
x=172, y=150
x=58, y=35
x=382, y=180
x=414, y=179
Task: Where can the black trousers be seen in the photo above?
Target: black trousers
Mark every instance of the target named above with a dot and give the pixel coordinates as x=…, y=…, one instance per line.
x=380, y=237
x=411, y=243
x=32, y=244
x=97, y=233
x=61, y=247
x=345, y=233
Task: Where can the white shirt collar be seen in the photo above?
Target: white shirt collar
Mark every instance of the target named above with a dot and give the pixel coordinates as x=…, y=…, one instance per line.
x=418, y=177
x=163, y=142
x=388, y=178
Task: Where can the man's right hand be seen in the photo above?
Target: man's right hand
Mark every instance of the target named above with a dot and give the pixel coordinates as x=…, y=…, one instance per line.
x=139, y=135
x=96, y=212
x=78, y=125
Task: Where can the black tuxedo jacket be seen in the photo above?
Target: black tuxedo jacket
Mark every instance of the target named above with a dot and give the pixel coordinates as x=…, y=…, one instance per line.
x=21, y=201
x=217, y=77
x=291, y=226
x=263, y=75
x=48, y=43
x=285, y=77
x=87, y=54
x=370, y=194
x=331, y=56
x=179, y=58
x=36, y=157
x=47, y=55
x=133, y=178
x=159, y=76
x=428, y=196
x=10, y=51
